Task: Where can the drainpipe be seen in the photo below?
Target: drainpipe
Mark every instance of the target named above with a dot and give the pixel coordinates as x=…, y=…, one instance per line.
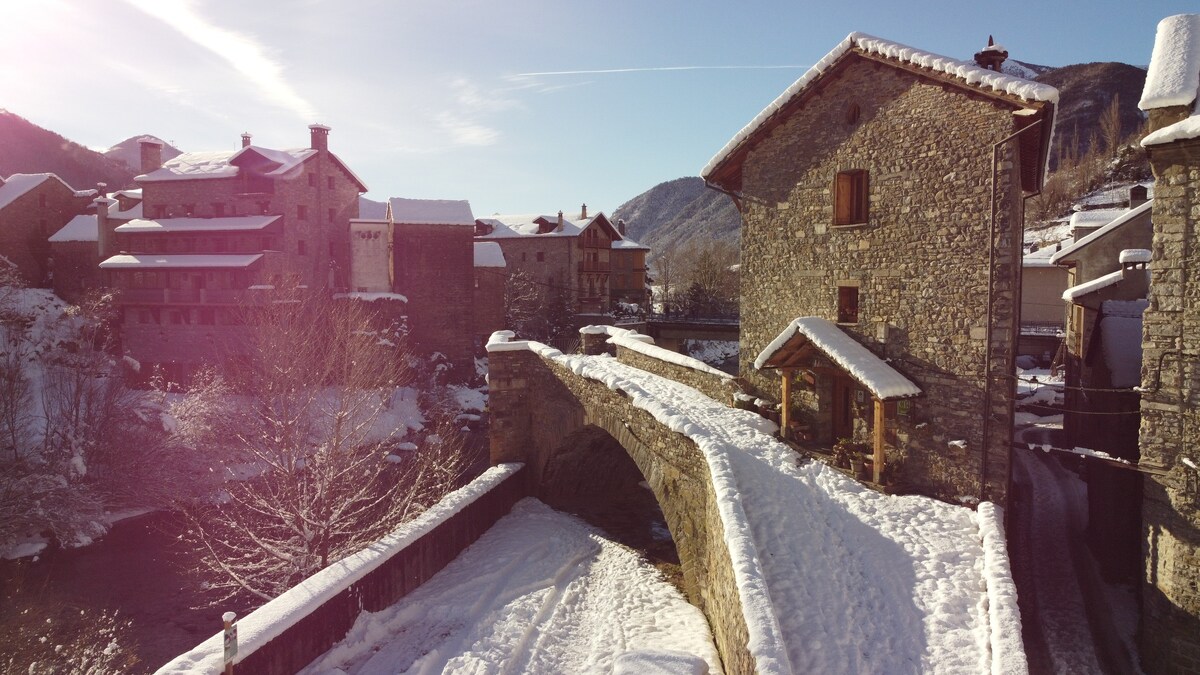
x=987, y=358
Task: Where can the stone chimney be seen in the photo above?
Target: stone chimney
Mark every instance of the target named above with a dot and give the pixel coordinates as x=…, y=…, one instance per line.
x=1135, y=272
x=1137, y=196
x=245, y=139
x=151, y=154
x=320, y=136
x=583, y=212
x=104, y=235
x=992, y=56
x=559, y=228
x=621, y=226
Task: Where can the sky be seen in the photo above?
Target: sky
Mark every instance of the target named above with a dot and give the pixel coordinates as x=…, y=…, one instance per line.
x=519, y=106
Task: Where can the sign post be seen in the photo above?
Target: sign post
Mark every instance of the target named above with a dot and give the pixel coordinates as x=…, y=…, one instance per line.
x=230, y=640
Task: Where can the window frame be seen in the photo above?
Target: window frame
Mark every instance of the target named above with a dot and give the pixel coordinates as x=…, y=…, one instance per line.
x=851, y=198
x=849, y=305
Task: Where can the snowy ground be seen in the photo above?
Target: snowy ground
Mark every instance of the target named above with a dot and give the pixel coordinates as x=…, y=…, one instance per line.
x=834, y=577
x=541, y=592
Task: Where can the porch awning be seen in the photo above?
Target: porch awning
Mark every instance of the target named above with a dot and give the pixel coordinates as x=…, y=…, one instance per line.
x=795, y=344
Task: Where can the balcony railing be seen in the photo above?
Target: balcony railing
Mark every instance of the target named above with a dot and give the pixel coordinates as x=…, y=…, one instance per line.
x=593, y=266
x=188, y=296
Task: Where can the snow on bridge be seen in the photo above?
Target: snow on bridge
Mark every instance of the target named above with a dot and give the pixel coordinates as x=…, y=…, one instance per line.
x=834, y=577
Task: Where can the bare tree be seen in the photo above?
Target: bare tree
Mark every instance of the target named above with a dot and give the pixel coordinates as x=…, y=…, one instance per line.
x=666, y=273
x=15, y=393
x=1110, y=126
x=709, y=279
x=317, y=424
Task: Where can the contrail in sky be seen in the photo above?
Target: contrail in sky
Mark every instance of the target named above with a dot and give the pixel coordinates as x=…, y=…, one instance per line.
x=651, y=70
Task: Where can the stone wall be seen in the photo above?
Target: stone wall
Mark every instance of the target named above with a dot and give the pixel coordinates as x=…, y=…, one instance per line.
x=27, y=222
x=1170, y=630
x=921, y=262
x=714, y=386
x=536, y=405
x=76, y=268
x=435, y=270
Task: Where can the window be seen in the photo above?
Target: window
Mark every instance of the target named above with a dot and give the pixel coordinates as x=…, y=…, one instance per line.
x=853, y=113
x=850, y=198
x=331, y=214
x=541, y=257
x=847, y=304
x=160, y=211
x=302, y=212
x=218, y=209
x=329, y=182
x=189, y=210
x=301, y=247
x=312, y=180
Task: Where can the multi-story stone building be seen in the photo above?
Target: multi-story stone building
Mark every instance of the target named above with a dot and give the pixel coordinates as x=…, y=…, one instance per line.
x=33, y=207
x=74, y=249
x=1170, y=427
x=216, y=227
x=882, y=198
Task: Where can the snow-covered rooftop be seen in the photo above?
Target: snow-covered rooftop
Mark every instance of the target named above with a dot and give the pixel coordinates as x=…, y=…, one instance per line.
x=488, y=254
x=219, y=164
x=19, y=183
x=869, y=370
x=224, y=224
x=1134, y=255
x=1075, y=292
x=1039, y=258
x=1099, y=216
x=522, y=225
x=969, y=72
x=198, y=260
x=629, y=244
x=431, y=211
x=80, y=228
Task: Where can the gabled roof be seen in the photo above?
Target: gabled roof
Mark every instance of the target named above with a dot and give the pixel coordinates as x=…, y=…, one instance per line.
x=489, y=254
x=430, y=211
x=19, y=183
x=1068, y=253
x=79, y=228
x=530, y=224
x=1012, y=90
x=227, y=163
x=188, y=261
x=225, y=224
x=872, y=372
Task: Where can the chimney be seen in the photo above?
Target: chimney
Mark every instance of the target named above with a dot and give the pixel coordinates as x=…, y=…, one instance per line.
x=560, y=223
x=1135, y=272
x=151, y=154
x=245, y=139
x=104, y=236
x=583, y=212
x=621, y=226
x=320, y=136
x=992, y=56
x=1137, y=196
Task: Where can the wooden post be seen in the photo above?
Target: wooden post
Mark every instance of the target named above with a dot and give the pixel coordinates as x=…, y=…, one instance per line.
x=877, y=462
x=785, y=405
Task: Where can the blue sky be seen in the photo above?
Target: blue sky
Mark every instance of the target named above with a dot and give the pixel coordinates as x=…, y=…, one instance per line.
x=495, y=101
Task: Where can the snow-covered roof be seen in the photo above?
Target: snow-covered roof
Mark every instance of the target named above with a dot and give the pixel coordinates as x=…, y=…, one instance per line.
x=197, y=260
x=1121, y=340
x=1173, y=77
x=869, y=370
x=134, y=211
x=79, y=228
x=431, y=211
x=523, y=225
x=1075, y=292
x=1134, y=255
x=219, y=164
x=1112, y=223
x=19, y=183
x=969, y=72
x=225, y=224
x=629, y=244
x=1039, y=258
x=488, y=254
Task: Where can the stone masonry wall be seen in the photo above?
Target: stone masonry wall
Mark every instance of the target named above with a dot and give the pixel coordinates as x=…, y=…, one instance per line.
x=921, y=263
x=1170, y=630
x=26, y=225
x=717, y=388
x=535, y=405
x=435, y=269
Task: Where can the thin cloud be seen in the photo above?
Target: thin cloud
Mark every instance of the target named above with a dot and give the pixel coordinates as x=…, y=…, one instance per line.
x=465, y=131
x=242, y=52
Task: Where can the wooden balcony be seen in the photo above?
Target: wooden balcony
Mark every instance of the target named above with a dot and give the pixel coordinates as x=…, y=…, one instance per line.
x=189, y=296
x=593, y=266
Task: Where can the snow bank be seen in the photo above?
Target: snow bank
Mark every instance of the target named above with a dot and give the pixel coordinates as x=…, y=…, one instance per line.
x=1007, y=648
x=269, y=621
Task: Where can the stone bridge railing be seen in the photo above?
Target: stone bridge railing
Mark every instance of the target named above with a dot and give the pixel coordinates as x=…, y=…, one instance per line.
x=536, y=403
x=639, y=351
x=289, y=632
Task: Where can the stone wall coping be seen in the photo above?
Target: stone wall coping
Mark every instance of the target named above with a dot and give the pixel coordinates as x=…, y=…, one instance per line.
x=644, y=344
x=269, y=621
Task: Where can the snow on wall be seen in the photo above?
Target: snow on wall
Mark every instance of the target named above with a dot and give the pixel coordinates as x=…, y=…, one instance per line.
x=269, y=621
x=644, y=344
x=1007, y=647
x=969, y=72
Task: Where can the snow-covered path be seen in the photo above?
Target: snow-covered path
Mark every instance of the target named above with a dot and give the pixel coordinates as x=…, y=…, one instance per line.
x=540, y=592
x=836, y=578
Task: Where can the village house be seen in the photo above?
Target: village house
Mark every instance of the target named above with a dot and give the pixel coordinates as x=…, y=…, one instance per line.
x=215, y=229
x=1170, y=406
x=583, y=260
x=882, y=197
x=1042, y=285
x=74, y=249
x=490, y=272
x=33, y=207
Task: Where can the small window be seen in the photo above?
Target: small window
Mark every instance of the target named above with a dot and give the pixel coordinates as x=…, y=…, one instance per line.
x=850, y=198
x=189, y=210
x=541, y=257
x=160, y=211
x=853, y=113
x=302, y=212
x=847, y=304
x=301, y=247
x=312, y=180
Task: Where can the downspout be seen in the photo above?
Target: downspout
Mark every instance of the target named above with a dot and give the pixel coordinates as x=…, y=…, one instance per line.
x=987, y=357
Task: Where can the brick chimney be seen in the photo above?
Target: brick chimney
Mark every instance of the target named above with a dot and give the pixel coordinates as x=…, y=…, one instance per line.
x=151, y=154
x=320, y=136
x=1137, y=196
x=992, y=56
x=245, y=139
x=583, y=212
x=104, y=235
x=559, y=228
x=621, y=226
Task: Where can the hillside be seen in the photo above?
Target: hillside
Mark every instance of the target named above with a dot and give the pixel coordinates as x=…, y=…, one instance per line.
x=28, y=148
x=672, y=212
x=130, y=152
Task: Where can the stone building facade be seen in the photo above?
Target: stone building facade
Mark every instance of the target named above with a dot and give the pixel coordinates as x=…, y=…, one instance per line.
x=32, y=208
x=491, y=270
x=1170, y=427
x=884, y=191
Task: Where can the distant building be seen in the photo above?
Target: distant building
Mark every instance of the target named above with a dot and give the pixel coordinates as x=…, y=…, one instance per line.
x=490, y=274
x=74, y=249
x=33, y=207
x=1042, y=284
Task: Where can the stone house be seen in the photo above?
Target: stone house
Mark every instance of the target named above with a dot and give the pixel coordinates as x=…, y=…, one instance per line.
x=1042, y=285
x=882, y=205
x=215, y=228
x=33, y=207
x=490, y=273
x=1170, y=425
x=74, y=249
x=628, y=277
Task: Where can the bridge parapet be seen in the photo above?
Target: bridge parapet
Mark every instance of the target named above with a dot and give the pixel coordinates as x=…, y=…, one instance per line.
x=641, y=352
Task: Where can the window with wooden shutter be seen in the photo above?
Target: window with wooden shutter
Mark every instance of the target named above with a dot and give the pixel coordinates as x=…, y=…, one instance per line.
x=847, y=304
x=850, y=198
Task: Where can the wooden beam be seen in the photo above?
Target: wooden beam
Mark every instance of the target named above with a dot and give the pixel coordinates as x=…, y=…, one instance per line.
x=785, y=405
x=880, y=421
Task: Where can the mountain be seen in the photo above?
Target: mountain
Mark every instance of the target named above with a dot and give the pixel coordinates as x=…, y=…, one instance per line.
x=28, y=148
x=369, y=208
x=670, y=213
x=130, y=152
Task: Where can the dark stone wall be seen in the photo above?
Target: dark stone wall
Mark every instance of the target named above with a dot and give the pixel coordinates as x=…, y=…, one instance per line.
x=435, y=270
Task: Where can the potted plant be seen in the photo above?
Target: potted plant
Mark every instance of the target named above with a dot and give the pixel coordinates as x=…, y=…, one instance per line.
x=843, y=453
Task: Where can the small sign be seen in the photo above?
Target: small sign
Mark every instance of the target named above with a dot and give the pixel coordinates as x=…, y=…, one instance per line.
x=230, y=643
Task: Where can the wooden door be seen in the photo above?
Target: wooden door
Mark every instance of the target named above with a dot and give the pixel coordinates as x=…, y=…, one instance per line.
x=843, y=407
